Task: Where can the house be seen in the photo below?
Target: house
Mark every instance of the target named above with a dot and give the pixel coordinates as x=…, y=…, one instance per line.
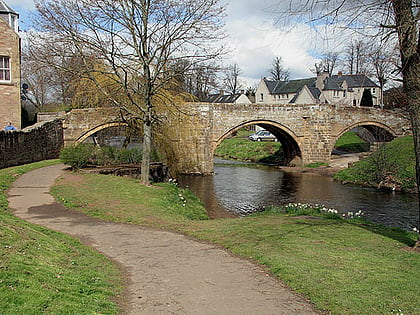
x=10, y=108
x=336, y=89
x=238, y=98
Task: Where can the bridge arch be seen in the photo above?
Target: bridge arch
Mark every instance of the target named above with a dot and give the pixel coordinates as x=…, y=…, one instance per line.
x=94, y=130
x=373, y=131
x=287, y=138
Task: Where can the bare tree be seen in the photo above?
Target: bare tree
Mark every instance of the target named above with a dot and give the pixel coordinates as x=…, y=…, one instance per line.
x=277, y=70
x=327, y=63
x=394, y=20
x=138, y=40
x=46, y=85
x=356, y=57
x=231, y=81
x=383, y=64
x=199, y=80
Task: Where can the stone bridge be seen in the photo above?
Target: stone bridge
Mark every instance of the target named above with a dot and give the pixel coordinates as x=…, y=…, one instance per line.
x=308, y=133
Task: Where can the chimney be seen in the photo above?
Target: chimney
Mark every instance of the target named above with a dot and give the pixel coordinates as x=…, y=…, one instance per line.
x=221, y=92
x=320, y=80
x=242, y=91
x=340, y=74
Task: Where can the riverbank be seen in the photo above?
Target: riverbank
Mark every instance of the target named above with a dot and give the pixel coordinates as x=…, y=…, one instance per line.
x=342, y=266
x=390, y=167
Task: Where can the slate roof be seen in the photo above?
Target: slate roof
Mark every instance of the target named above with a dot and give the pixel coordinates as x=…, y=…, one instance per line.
x=353, y=81
x=222, y=98
x=288, y=87
x=4, y=8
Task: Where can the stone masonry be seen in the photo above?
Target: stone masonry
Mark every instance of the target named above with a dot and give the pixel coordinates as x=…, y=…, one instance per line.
x=308, y=133
x=10, y=109
x=39, y=142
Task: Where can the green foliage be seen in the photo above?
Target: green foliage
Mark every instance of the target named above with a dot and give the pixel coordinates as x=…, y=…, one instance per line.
x=351, y=142
x=129, y=156
x=44, y=272
x=393, y=164
x=77, y=156
x=81, y=155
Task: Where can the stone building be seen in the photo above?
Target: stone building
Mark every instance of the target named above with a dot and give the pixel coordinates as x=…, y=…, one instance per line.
x=336, y=89
x=10, y=108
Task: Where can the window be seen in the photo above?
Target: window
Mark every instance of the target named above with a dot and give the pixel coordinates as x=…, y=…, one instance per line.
x=261, y=97
x=4, y=68
x=373, y=91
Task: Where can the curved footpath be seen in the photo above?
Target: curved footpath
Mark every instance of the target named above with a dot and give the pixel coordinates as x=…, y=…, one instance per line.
x=168, y=273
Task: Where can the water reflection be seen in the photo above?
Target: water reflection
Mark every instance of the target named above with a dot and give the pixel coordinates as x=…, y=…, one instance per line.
x=238, y=190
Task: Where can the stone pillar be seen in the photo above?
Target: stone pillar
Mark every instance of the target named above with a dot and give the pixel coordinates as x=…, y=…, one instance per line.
x=191, y=142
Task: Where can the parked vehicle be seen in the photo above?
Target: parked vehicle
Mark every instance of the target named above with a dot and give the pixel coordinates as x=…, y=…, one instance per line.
x=262, y=135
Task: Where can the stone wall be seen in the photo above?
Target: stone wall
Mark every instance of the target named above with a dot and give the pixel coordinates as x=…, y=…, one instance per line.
x=10, y=109
x=39, y=142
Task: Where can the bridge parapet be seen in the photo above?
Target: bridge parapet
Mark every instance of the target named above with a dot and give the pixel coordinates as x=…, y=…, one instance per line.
x=307, y=132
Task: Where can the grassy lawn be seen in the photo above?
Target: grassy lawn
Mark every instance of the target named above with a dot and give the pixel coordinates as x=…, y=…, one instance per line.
x=345, y=267
x=351, y=142
x=241, y=148
x=42, y=271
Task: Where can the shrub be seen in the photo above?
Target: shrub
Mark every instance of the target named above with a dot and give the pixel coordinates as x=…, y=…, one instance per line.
x=129, y=156
x=105, y=155
x=77, y=156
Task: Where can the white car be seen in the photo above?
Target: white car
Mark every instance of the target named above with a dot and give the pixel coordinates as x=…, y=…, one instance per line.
x=262, y=135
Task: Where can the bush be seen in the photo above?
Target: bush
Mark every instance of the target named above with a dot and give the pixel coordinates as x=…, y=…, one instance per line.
x=129, y=156
x=77, y=156
x=104, y=156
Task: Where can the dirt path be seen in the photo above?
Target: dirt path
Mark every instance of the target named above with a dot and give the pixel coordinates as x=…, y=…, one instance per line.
x=168, y=273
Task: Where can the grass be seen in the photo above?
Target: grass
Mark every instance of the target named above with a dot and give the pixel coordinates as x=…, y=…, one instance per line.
x=46, y=272
x=394, y=163
x=351, y=142
x=343, y=266
x=316, y=164
x=159, y=206
x=241, y=148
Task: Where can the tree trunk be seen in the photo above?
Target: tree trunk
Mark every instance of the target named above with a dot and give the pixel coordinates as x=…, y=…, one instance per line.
x=147, y=149
x=406, y=26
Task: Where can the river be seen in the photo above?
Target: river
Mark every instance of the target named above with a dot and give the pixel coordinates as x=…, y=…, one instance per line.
x=238, y=189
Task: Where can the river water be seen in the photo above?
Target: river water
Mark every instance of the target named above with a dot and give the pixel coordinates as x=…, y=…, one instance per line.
x=238, y=189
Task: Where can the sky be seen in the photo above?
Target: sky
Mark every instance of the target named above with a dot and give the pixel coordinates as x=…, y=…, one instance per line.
x=253, y=38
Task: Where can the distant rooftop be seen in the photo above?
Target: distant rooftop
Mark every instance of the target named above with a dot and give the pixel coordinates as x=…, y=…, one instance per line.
x=4, y=8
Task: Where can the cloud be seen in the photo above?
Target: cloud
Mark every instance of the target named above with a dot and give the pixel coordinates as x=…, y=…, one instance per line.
x=255, y=40
x=253, y=37
x=22, y=4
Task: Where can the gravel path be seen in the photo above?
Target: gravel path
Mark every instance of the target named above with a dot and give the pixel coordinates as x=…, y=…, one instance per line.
x=167, y=273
